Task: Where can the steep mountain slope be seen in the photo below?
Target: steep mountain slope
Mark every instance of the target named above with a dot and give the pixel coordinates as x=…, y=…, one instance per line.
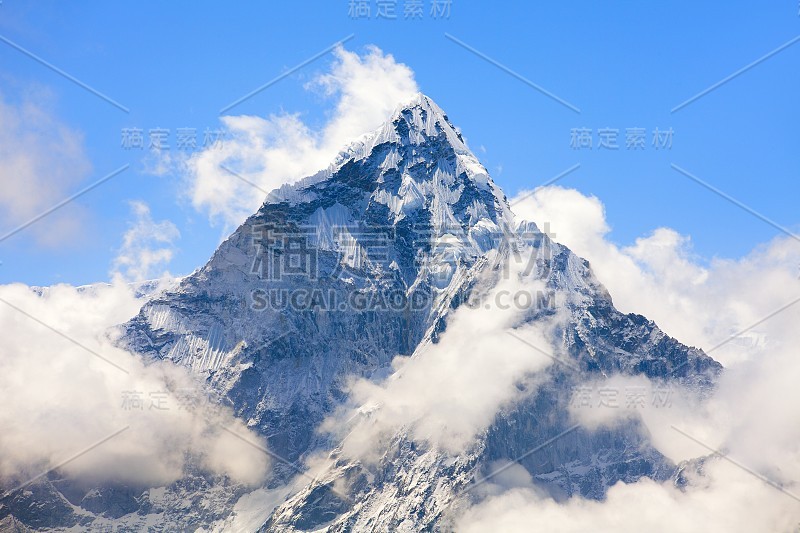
x=338, y=274
x=420, y=486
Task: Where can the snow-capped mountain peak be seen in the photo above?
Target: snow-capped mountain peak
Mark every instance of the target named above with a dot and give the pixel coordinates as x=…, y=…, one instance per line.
x=420, y=145
x=340, y=274
x=421, y=116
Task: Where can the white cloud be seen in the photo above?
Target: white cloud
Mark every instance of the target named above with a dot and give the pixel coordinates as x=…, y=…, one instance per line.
x=728, y=499
x=60, y=398
x=448, y=392
x=282, y=149
x=369, y=88
x=147, y=247
x=43, y=162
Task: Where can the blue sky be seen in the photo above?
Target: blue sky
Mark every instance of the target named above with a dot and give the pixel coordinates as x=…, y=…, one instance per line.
x=624, y=65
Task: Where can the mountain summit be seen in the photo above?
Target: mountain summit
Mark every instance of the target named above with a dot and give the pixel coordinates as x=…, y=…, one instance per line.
x=417, y=161
x=367, y=260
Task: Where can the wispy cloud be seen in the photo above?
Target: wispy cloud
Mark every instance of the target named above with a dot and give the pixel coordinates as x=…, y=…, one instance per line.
x=44, y=161
x=147, y=246
x=448, y=392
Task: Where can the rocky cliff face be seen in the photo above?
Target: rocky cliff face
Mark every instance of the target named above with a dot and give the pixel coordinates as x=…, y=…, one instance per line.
x=338, y=274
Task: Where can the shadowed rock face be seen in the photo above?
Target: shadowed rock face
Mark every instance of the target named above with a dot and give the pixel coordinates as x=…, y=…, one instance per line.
x=401, y=229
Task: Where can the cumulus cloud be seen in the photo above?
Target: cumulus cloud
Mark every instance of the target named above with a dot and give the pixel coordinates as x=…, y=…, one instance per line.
x=61, y=397
x=281, y=148
x=750, y=416
x=701, y=303
x=147, y=247
x=43, y=163
x=448, y=392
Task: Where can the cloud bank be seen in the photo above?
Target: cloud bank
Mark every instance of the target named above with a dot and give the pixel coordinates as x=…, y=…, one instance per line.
x=726, y=499
x=61, y=398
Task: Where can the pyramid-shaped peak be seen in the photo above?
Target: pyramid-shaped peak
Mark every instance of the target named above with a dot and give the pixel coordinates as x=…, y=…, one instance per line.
x=415, y=121
x=421, y=101
x=420, y=147
x=426, y=107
